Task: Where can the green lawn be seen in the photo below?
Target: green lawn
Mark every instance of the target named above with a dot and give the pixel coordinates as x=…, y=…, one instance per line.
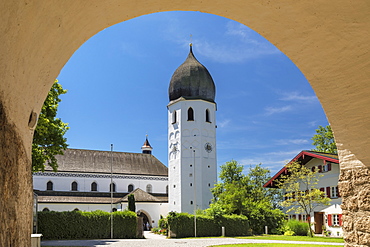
x=296, y=238
x=273, y=244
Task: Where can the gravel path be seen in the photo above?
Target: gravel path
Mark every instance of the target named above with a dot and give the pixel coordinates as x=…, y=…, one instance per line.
x=160, y=241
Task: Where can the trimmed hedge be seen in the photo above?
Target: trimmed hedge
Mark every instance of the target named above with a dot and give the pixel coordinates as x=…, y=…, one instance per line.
x=86, y=225
x=182, y=225
x=300, y=228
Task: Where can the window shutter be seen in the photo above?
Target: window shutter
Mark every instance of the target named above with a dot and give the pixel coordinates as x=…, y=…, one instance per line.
x=320, y=168
x=340, y=219
x=329, y=166
x=328, y=192
x=330, y=222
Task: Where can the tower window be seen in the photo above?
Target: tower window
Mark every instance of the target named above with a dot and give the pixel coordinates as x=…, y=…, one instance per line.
x=191, y=184
x=130, y=188
x=174, y=117
x=191, y=165
x=149, y=188
x=209, y=185
x=94, y=186
x=191, y=174
x=207, y=116
x=191, y=202
x=174, y=186
x=49, y=185
x=190, y=114
x=74, y=186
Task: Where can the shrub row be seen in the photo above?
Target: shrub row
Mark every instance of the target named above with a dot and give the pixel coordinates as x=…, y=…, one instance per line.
x=86, y=225
x=182, y=225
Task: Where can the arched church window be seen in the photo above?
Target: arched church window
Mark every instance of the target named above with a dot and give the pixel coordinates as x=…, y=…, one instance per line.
x=74, y=186
x=112, y=187
x=49, y=185
x=76, y=209
x=208, y=119
x=149, y=188
x=45, y=210
x=130, y=188
x=190, y=114
x=94, y=186
x=174, y=117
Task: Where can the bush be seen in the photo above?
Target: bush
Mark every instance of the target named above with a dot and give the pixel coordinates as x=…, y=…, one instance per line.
x=300, y=228
x=182, y=225
x=86, y=225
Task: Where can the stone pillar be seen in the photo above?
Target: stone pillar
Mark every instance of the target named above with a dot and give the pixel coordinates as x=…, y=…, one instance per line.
x=354, y=187
x=15, y=187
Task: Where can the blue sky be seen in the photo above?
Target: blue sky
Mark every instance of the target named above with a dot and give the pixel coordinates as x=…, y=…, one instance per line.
x=117, y=84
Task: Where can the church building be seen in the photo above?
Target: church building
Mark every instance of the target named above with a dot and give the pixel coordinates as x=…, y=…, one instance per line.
x=89, y=180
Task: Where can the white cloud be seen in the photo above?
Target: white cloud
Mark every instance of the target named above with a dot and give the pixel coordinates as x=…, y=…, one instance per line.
x=291, y=141
x=224, y=123
x=274, y=110
x=295, y=96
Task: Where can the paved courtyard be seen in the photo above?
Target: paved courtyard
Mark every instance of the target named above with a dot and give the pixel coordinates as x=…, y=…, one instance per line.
x=159, y=241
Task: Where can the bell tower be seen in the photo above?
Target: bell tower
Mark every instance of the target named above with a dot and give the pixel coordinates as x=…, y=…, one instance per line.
x=192, y=162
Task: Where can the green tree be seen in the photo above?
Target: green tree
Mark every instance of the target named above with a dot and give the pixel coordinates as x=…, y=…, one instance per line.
x=301, y=194
x=324, y=140
x=131, y=203
x=48, y=138
x=244, y=194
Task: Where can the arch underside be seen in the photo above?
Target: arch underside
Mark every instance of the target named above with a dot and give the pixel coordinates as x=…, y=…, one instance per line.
x=328, y=41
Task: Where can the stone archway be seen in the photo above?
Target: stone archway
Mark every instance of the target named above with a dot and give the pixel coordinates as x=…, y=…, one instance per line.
x=327, y=40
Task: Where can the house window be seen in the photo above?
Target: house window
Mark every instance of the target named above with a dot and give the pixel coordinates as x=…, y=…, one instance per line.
x=149, y=188
x=304, y=217
x=334, y=219
x=207, y=116
x=130, y=188
x=74, y=186
x=334, y=192
x=49, y=185
x=112, y=187
x=94, y=186
x=174, y=117
x=190, y=114
x=167, y=189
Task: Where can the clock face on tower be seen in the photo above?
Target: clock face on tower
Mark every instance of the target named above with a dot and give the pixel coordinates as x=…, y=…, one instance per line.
x=208, y=147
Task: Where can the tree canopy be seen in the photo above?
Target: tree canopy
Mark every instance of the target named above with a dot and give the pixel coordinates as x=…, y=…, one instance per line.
x=301, y=194
x=244, y=194
x=324, y=140
x=48, y=138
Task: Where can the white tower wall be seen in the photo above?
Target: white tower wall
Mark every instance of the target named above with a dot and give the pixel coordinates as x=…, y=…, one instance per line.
x=192, y=155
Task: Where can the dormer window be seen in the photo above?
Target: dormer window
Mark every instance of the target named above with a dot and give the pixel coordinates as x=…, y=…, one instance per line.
x=190, y=114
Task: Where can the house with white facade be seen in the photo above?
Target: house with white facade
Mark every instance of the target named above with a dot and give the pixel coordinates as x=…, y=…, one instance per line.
x=328, y=217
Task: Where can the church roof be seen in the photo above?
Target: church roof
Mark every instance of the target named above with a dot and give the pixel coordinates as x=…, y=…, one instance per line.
x=92, y=161
x=192, y=81
x=141, y=196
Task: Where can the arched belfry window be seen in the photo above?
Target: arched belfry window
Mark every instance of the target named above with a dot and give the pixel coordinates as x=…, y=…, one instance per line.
x=149, y=188
x=190, y=114
x=49, y=185
x=208, y=119
x=74, y=186
x=112, y=187
x=130, y=188
x=94, y=186
x=174, y=117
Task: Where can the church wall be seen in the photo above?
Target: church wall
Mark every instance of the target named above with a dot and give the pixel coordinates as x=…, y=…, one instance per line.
x=72, y=206
x=62, y=182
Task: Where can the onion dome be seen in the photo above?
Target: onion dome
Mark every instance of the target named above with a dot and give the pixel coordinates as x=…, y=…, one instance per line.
x=192, y=81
